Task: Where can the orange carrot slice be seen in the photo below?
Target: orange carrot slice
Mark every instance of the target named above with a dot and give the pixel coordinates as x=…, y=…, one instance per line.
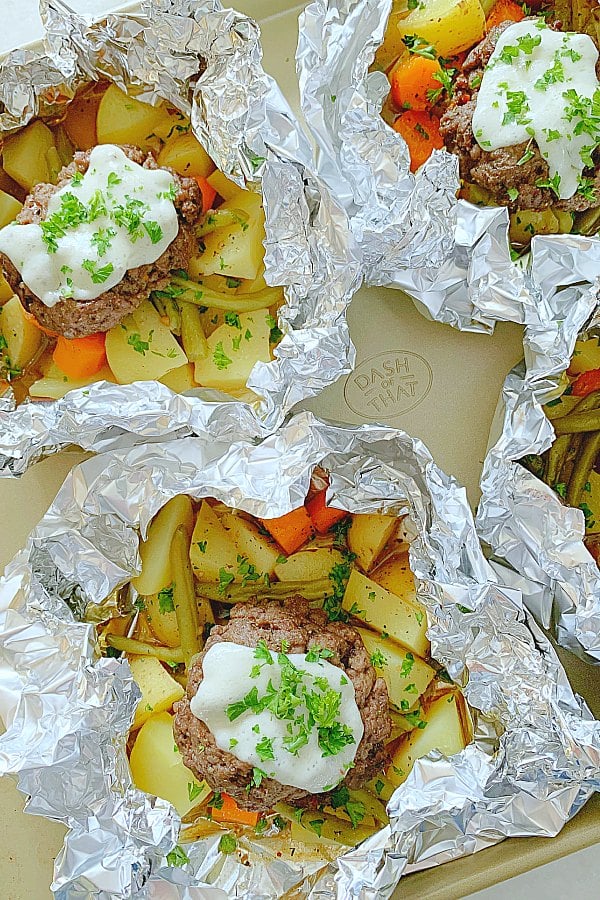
x=292, y=530
x=504, y=11
x=323, y=517
x=80, y=357
x=411, y=81
x=421, y=132
x=230, y=812
x=208, y=192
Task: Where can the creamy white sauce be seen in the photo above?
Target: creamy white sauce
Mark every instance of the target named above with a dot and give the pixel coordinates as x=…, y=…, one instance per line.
x=522, y=96
x=127, y=219
x=227, y=680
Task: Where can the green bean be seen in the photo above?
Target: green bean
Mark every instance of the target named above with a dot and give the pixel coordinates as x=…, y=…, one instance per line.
x=556, y=458
x=589, y=221
x=590, y=401
x=220, y=218
x=578, y=422
x=192, y=333
x=140, y=648
x=237, y=593
x=195, y=292
x=184, y=598
x=567, y=466
x=582, y=468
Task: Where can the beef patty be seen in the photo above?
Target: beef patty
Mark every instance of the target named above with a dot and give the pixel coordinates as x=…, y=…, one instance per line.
x=500, y=171
x=74, y=318
x=302, y=627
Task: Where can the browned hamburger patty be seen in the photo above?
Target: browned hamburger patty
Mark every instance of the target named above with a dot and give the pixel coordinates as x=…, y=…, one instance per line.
x=74, y=318
x=498, y=171
x=302, y=627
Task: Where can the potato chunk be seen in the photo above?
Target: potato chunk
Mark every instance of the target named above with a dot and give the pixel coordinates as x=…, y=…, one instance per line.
x=407, y=676
x=236, y=250
x=367, y=536
x=157, y=768
x=260, y=550
x=159, y=690
x=142, y=348
x=25, y=155
x=122, y=119
x=233, y=351
x=212, y=547
x=395, y=575
x=185, y=154
x=9, y=208
x=22, y=338
x=308, y=565
x=449, y=25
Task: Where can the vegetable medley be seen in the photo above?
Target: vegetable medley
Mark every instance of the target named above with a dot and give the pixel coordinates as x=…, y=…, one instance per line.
x=340, y=586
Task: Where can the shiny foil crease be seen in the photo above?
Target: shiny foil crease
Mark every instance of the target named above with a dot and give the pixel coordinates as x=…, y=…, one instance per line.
x=520, y=517
x=535, y=760
x=207, y=62
x=451, y=257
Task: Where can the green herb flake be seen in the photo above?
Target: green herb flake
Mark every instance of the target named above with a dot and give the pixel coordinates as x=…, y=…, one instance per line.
x=194, y=790
x=220, y=358
x=228, y=843
x=177, y=857
x=165, y=600
x=98, y=275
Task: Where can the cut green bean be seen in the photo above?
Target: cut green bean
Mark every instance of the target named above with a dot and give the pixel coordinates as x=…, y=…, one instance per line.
x=589, y=221
x=184, y=598
x=582, y=468
x=556, y=458
x=140, y=648
x=195, y=292
x=567, y=466
x=192, y=333
x=590, y=401
x=220, y=218
x=238, y=593
x=578, y=422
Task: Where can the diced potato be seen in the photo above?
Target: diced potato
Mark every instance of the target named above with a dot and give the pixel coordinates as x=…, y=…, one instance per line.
x=154, y=551
x=185, y=154
x=476, y=194
x=9, y=209
x=381, y=787
x=367, y=536
x=212, y=547
x=180, y=379
x=393, y=47
x=162, y=620
x=223, y=186
x=236, y=250
x=122, y=119
x=586, y=356
x=25, y=155
x=54, y=384
x=387, y=613
x=142, y=348
x=260, y=549
x=309, y=565
x=234, y=351
x=80, y=120
x=395, y=575
x=23, y=339
x=565, y=220
x=525, y=223
x=449, y=25
x=447, y=730
x=156, y=766
x=159, y=690
x=6, y=292
x=406, y=678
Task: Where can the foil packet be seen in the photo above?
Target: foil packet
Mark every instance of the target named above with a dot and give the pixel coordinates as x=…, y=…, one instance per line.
x=452, y=257
x=534, y=761
x=519, y=517
x=206, y=61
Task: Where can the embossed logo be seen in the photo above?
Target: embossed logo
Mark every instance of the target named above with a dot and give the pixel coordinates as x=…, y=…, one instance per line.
x=388, y=384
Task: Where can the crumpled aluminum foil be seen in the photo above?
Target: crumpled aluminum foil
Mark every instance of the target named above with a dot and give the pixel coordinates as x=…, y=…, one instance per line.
x=519, y=516
x=535, y=760
x=451, y=257
x=240, y=116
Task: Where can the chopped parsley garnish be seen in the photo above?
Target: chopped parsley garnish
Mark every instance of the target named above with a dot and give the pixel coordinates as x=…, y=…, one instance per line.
x=113, y=179
x=257, y=777
x=552, y=183
x=228, y=843
x=77, y=179
x=247, y=571
x=275, y=333
x=316, y=653
x=517, y=108
x=264, y=748
x=98, y=275
x=513, y=193
x=194, y=790
x=263, y=653
x=225, y=579
x=154, y=231
x=165, y=600
x=553, y=75
x=418, y=45
x=220, y=358
x=407, y=665
x=102, y=238
x=202, y=546
x=135, y=340
x=217, y=800
x=233, y=282
x=177, y=857
x=378, y=660
x=233, y=320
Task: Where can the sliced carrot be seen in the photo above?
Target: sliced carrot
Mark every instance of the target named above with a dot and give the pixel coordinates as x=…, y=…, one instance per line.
x=421, y=132
x=411, y=81
x=292, y=530
x=504, y=11
x=323, y=517
x=208, y=192
x=586, y=383
x=230, y=812
x=80, y=357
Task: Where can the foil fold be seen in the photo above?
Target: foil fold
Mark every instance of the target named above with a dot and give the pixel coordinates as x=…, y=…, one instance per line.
x=450, y=256
x=536, y=755
x=206, y=61
x=524, y=522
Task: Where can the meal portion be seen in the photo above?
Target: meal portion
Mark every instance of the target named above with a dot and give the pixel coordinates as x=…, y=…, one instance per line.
x=127, y=255
x=571, y=466
x=510, y=89
x=285, y=673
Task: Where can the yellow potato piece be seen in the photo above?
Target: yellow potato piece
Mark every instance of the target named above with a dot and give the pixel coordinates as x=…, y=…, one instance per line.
x=309, y=565
x=236, y=250
x=54, y=384
x=233, y=352
x=586, y=356
x=142, y=348
x=159, y=690
x=185, y=154
x=162, y=620
x=23, y=339
x=525, y=223
x=25, y=157
x=260, y=550
x=9, y=208
x=395, y=575
x=122, y=119
x=156, y=766
x=223, y=186
x=212, y=547
x=447, y=730
x=367, y=536
x=154, y=551
x=449, y=25
x=180, y=379
x=386, y=613
x=406, y=678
